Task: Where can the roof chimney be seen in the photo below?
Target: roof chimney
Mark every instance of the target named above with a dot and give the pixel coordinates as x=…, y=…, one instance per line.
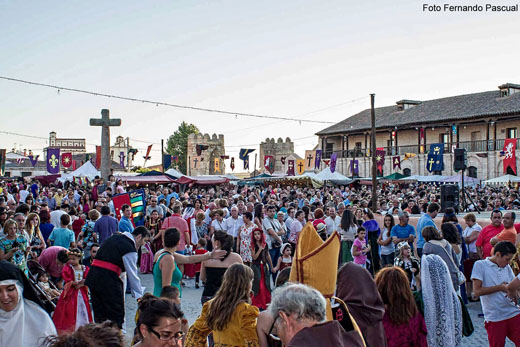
x=509, y=89
x=406, y=104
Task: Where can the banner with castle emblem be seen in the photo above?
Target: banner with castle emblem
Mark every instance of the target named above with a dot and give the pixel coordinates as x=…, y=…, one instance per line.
x=354, y=167
x=66, y=160
x=269, y=163
x=396, y=162
x=300, y=166
x=310, y=160
x=53, y=160
x=217, y=165
x=435, y=162
x=290, y=167
x=509, y=155
x=333, y=160
x=317, y=161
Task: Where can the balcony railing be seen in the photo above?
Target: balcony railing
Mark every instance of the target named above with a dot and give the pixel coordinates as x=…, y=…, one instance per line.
x=470, y=146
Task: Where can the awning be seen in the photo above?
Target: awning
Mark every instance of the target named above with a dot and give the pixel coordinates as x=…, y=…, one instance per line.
x=155, y=179
x=202, y=180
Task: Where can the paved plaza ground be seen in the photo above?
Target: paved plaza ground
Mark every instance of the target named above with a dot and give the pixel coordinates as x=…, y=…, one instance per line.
x=191, y=307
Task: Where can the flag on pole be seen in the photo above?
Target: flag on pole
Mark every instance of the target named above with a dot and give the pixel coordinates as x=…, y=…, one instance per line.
x=53, y=160
x=167, y=161
x=148, y=150
x=232, y=165
x=244, y=155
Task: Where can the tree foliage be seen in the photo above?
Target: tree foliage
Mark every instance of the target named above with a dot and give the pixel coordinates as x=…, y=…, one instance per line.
x=178, y=144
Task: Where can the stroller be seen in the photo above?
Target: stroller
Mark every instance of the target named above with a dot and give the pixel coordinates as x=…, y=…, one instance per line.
x=34, y=270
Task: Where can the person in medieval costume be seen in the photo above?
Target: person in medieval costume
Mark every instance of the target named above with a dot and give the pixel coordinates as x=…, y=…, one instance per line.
x=117, y=254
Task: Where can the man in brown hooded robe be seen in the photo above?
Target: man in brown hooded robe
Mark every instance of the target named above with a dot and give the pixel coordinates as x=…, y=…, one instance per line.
x=358, y=290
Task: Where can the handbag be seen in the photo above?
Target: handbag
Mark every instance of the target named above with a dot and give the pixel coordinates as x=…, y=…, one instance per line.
x=467, y=323
x=461, y=279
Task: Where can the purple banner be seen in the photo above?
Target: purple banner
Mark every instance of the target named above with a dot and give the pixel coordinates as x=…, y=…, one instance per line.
x=317, y=162
x=333, y=159
x=122, y=159
x=354, y=167
x=34, y=160
x=53, y=160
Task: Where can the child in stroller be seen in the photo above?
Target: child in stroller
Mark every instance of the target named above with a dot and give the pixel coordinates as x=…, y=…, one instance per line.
x=43, y=283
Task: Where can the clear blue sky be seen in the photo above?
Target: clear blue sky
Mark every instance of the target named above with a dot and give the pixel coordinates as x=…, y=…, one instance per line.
x=283, y=58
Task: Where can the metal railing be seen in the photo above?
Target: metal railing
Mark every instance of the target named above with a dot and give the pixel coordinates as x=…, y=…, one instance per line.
x=470, y=146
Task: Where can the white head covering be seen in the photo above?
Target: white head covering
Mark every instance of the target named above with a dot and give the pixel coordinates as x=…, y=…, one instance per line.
x=442, y=310
x=27, y=325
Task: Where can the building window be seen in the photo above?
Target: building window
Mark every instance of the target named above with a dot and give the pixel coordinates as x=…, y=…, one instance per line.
x=511, y=133
x=472, y=171
x=329, y=147
x=407, y=172
x=444, y=138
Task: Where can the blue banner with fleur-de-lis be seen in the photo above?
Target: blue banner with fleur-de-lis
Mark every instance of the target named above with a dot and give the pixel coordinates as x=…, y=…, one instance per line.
x=53, y=160
x=435, y=162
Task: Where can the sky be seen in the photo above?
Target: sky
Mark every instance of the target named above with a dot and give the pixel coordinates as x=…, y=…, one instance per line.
x=295, y=59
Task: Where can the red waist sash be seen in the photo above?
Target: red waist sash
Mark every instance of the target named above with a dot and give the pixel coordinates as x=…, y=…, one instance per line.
x=107, y=265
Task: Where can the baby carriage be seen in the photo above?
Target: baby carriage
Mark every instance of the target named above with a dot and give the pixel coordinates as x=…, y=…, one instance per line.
x=34, y=270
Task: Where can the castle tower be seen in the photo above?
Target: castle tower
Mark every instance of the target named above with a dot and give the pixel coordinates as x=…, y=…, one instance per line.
x=277, y=149
x=204, y=164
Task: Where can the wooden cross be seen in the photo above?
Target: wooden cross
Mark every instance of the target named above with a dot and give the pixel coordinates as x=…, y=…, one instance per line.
x=105, y=123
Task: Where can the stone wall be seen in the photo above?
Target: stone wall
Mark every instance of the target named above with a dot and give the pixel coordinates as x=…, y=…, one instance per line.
x=204, y=164
x=277, y=149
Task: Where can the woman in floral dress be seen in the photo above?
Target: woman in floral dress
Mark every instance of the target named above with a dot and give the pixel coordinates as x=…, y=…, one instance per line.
x=244, y=238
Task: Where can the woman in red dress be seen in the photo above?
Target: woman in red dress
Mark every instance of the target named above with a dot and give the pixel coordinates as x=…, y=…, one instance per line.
x=261, y=259
x=73, y=309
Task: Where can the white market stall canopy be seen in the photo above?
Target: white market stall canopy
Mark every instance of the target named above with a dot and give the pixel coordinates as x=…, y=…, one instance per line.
x=86, y=170
x=506, y=179
x=326, y=175
x=174, y=173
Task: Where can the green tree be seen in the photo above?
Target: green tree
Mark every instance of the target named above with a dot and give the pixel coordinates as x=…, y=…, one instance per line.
x=178, y=144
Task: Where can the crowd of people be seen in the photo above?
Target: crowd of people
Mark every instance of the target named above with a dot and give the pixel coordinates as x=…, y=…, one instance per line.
x=404, y=274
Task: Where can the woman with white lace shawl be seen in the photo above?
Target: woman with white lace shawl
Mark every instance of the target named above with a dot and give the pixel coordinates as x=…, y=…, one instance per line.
x=442, y=310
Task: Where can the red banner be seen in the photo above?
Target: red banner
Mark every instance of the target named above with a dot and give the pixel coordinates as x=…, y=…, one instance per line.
x=269, y=163
x=510, y=155
x=98, y=157
x=119, y=201
x=66, y=160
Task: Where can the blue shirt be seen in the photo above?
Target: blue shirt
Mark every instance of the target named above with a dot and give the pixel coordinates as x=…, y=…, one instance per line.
x=105, y=227
x=46, y=229
x=424, y=221
x=170, y=196
x=401, y=232
x=62, y=237
x=125, y=224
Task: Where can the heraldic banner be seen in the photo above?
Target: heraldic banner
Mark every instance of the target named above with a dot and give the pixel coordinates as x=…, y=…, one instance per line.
x=435, y=161
x=510, y=155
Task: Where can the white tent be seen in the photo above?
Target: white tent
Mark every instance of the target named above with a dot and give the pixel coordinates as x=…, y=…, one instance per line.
x=173, y=172
x=326, y=175
x=86, y=170
x=503, y=179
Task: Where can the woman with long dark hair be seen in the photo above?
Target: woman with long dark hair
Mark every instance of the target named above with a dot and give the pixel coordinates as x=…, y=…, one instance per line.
x=385, y=241
x=229, y=315
x=259, y=214
x=348, y=233
x=404, y=325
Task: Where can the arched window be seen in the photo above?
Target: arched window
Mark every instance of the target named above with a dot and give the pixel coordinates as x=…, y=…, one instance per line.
x=407, y=172
x=472, y=171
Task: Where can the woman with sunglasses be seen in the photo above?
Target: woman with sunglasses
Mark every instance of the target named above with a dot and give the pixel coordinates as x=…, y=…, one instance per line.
x=159, y=323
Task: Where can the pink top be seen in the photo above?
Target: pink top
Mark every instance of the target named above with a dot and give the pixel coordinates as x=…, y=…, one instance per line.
x=48, y=260
x=405, y=335
x=176, y=221
x=360, y=259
